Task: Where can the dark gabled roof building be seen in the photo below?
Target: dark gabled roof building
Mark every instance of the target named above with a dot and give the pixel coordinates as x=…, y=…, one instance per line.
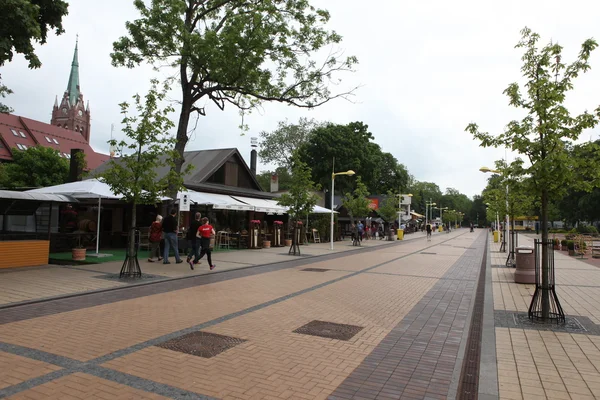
x=221, y=171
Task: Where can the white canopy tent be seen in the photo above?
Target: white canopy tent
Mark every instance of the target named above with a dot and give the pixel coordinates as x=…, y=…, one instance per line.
x=86, y=189
x=218, y=201
x=262, y=205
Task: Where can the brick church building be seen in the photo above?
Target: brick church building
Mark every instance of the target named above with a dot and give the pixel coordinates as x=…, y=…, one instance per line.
x=69, y=127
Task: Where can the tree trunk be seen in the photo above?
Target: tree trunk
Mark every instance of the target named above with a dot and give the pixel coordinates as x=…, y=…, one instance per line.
x=182, y=138
x=132, y=231
x=545, y=264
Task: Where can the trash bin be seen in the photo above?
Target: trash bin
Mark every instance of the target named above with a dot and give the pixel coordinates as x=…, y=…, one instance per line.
x=400, y=234
x=525, y=263
x=496, y=236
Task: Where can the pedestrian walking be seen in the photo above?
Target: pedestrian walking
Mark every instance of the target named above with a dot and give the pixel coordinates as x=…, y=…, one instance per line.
x=154, y=237
x=204, y=233
x=194, y=241
x=428, y=232
x=361, y=230
x=170, y=230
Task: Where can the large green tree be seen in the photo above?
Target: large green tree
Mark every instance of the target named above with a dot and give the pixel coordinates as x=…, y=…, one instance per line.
x=388, y=210
x=352, y=147
x=148, y=147
x=24, y=23
x=542, y=133
x=278, y=147
x=35, y=167
x=235, y=52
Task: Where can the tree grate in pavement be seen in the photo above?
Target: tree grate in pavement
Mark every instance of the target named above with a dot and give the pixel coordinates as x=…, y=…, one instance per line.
x=315, y=269
x=201, y=344
x=468, y=386
x=520, y=320
x=329, y=330
x=144, y=277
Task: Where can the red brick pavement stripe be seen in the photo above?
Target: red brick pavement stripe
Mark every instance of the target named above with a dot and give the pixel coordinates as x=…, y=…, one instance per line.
x=417, y=358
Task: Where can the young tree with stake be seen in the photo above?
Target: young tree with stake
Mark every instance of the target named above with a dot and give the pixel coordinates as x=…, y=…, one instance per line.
x=542, y=134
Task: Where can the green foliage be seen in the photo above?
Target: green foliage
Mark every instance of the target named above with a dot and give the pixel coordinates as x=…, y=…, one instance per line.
x=278, y=147
x=353, y=148
x=587, y=229
x=235, y=52
x=285, y=179
x=570, y=245
x=300, y=200
x=147, y=148
x=357, y=202
x=547, y=128
x=422, y=192
x=388, y=209
x=35, y=167
x=22, y=24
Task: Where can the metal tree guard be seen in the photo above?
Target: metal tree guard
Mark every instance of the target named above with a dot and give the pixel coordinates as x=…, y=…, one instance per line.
x=131, y=266
x=535, y=308
x=514, y=242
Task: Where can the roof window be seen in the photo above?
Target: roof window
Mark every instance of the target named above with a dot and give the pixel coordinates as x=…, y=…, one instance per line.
x=22, y=134
x=55, y=141
x=48, y=139
x=19, y=146
x=14, y=132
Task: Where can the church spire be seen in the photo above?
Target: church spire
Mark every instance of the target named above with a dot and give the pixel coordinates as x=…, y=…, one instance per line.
x=73, y=86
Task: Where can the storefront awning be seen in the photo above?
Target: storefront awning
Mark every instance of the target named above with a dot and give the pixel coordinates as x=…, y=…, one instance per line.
x=218, y=201
x=262, y=205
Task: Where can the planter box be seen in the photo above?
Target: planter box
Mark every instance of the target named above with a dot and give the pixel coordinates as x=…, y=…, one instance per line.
x=78, y=254
x=288, y=242
x=266, y=244
x=24, y=253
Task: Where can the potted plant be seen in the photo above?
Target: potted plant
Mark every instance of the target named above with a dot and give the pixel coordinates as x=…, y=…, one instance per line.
x=78, y=253
x=277, y=225
x=254, y=233
x=556, y=244
x=563, y=244
x=571, y=247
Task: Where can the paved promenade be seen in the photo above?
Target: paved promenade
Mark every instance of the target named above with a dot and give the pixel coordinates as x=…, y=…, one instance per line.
x=385, y=321
x=415, y=319
x=29, y=284
x=541, y=362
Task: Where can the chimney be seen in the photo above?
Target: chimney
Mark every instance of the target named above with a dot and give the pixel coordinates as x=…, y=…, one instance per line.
x=75, y=168
x=274, y=183
x=253, y=154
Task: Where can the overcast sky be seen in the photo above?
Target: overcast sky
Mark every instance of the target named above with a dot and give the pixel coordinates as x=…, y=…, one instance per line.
x=427, y=69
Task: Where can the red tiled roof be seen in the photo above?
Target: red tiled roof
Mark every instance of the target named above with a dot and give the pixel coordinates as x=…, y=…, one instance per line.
x=46, y=135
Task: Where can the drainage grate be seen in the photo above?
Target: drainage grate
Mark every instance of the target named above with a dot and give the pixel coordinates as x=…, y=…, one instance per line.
x=202, y=344
x=314, y=269
x=329, y=330
x=424, y=252
x=468, y=386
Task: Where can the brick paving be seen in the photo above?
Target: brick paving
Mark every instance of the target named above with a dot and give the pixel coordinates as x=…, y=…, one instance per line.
x=545, y=362
x=413, y=308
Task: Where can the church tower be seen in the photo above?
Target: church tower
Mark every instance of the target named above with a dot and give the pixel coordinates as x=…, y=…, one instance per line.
x=71, y=113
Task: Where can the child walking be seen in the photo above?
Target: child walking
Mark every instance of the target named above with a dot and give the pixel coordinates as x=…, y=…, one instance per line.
x=204, y=233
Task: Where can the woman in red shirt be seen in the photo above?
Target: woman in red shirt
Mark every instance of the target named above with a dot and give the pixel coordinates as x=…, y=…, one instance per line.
x=154, y=237
x=204, y=233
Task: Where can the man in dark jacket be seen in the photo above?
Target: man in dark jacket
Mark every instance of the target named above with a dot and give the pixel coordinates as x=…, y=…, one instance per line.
x=170, y=230
x=191, y=237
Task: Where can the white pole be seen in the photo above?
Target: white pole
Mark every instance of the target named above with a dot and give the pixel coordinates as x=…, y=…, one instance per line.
x=332, y=207
x=98, y=225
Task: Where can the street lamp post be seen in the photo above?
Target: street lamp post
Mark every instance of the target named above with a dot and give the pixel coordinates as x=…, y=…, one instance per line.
x=400, y=197
x=506, y=221
x=428, y=205
x=333, y=175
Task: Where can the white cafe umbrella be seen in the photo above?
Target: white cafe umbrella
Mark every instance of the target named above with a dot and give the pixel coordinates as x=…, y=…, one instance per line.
x=86, y=189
